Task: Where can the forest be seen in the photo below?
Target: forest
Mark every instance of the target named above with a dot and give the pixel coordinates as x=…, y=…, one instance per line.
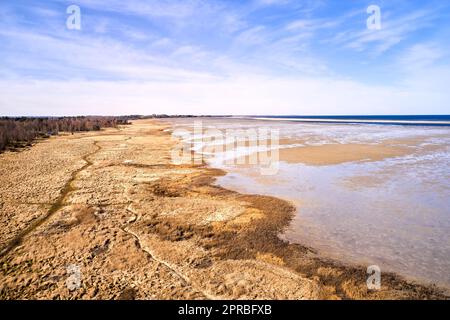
x=17, y=132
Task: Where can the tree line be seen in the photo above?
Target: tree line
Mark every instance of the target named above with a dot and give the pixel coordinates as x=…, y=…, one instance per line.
x=22, y=131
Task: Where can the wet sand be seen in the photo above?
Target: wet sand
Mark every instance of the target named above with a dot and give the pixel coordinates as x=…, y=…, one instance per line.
x=340, y=153
x=138, y=227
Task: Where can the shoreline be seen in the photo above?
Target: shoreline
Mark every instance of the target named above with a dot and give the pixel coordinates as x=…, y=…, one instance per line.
x=167, y=231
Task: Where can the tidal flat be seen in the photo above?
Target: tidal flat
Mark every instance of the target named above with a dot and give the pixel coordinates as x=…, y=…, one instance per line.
x=107, y=215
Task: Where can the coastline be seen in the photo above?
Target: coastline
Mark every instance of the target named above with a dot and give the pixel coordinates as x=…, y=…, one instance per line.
x=369, y=195
x=352, y=266
x=221, y=244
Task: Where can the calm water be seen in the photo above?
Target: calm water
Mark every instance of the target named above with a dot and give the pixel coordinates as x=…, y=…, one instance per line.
x=394, y=213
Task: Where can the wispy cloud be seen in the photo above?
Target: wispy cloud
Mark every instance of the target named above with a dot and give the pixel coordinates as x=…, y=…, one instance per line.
x=422, y=55
x=395, y=29
x=264, y=56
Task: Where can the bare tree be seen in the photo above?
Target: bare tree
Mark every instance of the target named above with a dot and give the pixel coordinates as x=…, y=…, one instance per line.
x=17, y=132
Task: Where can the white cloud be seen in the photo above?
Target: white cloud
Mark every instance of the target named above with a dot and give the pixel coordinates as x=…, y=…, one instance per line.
x=421, y=55
x=426, y=66
x=67, y=57
x=149, y=8
x=239, y=95
x=262, y=69
x=272, y=2
x=394, y=30
x=252, y=36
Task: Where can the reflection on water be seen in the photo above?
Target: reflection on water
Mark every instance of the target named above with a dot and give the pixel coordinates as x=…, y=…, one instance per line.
x=394, y=212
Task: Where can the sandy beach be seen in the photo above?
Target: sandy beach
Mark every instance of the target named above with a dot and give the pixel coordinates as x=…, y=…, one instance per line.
x=369, y=194
x=106, y=215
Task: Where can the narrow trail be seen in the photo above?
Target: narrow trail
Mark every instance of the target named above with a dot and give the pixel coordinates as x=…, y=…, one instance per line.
x=167, y=265
x=171, y=268
x=17, y=240
x=59, y=203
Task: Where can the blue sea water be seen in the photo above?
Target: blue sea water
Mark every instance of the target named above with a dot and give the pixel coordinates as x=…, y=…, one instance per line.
x=429, y=120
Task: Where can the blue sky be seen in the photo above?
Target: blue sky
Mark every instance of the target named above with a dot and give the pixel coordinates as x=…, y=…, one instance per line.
x=224, y=57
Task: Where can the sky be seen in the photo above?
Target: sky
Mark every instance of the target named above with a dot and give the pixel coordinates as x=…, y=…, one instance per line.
x=256, y=57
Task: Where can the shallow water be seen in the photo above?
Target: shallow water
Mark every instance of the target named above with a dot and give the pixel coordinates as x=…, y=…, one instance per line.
x=394, y=213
